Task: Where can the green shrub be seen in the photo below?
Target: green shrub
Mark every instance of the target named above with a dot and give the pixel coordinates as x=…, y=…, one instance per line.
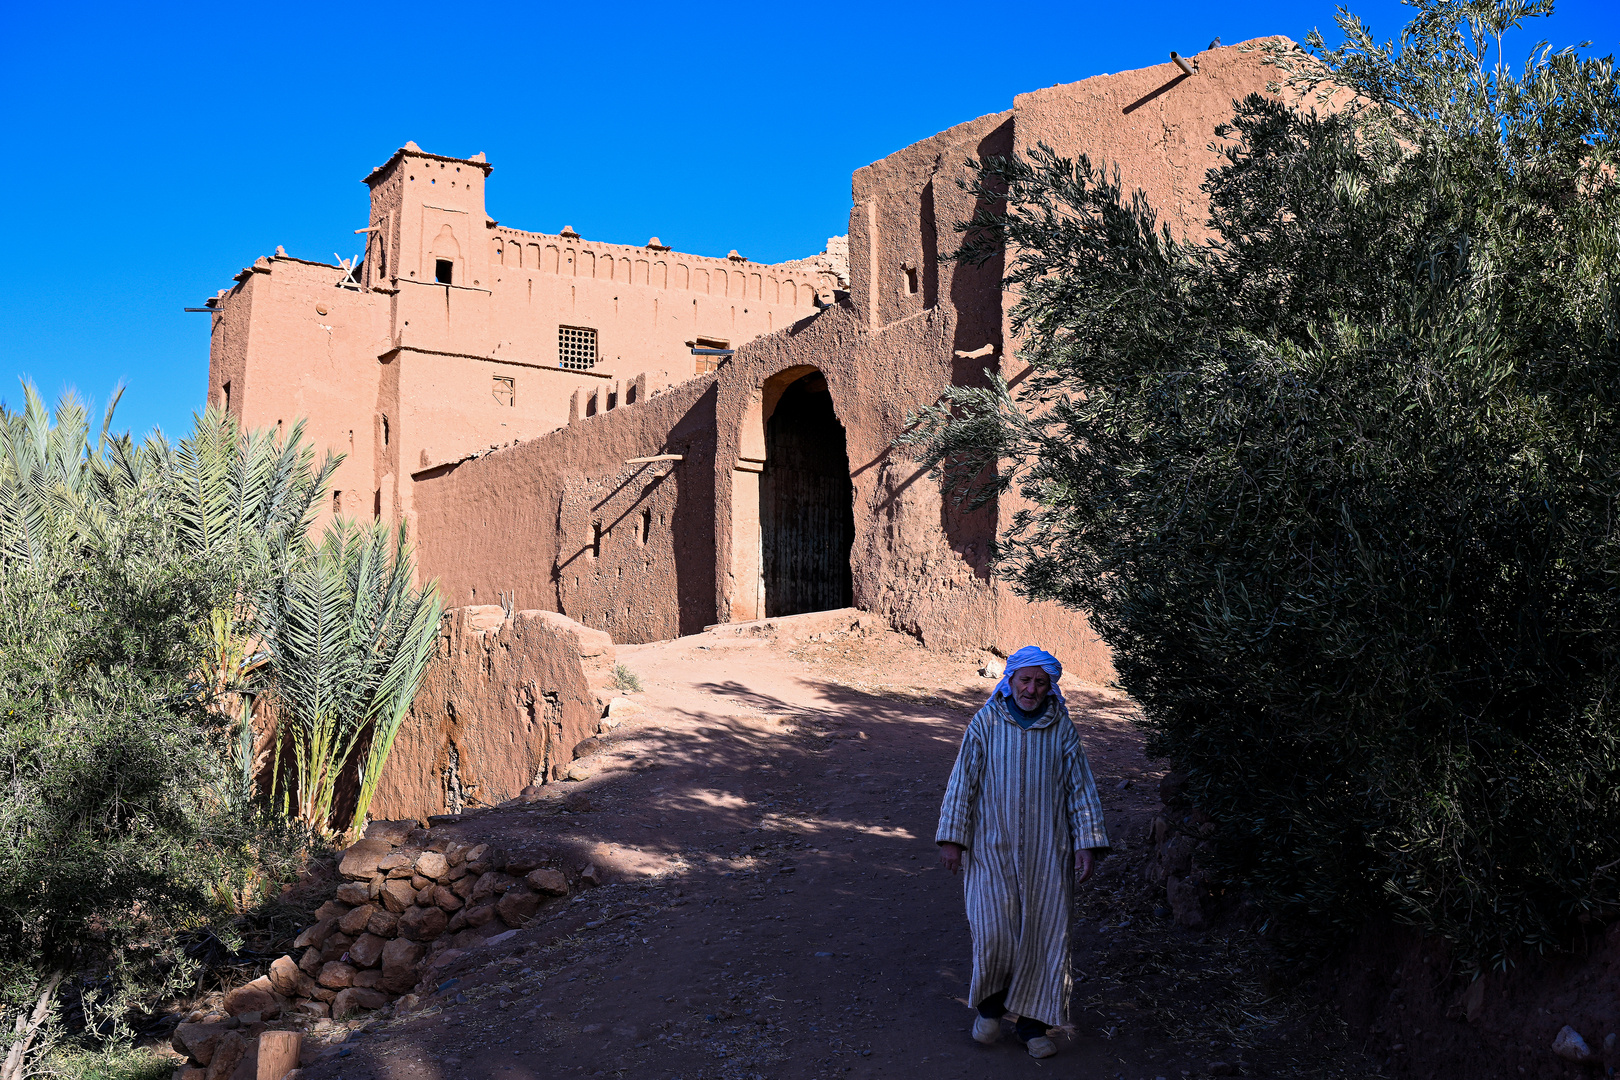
x=626, y=680
x=112, y=833
x=1339, y=487
x=115, y=1063
x=149, y=591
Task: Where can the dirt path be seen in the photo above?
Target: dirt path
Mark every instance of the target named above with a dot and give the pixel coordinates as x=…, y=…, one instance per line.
x=772, y=906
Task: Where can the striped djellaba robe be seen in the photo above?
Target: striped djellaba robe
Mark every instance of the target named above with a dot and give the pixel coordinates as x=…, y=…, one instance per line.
x=1021, y=802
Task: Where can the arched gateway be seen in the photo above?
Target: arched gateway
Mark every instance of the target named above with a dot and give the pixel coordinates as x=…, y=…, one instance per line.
x=806, y=504
x=792, y=502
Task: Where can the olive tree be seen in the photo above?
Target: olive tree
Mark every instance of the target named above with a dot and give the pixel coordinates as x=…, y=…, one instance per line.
x=1338, y=482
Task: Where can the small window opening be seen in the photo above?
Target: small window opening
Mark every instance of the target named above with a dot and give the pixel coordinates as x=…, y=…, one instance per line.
x=646, y=525
x=444, y=269
x=911, y=278
x=382, y=259
x=706, y=364
x=225, y=395
x=385, y=431
x=376, y=504
x=504, y=390
x=576, y=348
x=337, y=502
x=596, y=540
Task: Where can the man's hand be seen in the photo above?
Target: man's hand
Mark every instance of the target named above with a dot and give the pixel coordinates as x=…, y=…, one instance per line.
x=1083, y=862
x=950, y=856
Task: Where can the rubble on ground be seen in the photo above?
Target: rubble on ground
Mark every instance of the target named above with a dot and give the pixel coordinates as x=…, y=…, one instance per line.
x=409, y=903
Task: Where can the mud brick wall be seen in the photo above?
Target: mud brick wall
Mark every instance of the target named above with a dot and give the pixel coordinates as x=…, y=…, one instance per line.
x=503, y=704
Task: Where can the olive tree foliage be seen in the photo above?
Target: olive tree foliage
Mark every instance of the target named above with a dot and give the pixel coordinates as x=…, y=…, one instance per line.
x=1337, y=482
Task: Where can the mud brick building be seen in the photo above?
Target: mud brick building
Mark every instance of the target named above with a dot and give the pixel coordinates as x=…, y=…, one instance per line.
x=540, y=409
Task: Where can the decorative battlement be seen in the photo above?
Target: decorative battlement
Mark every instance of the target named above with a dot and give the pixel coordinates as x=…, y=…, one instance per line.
x=571, y=255
x=410, y=149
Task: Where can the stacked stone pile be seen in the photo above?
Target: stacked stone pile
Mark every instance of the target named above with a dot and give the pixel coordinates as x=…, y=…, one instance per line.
x=409, y=903
x=407, y=899
x=235, y=1051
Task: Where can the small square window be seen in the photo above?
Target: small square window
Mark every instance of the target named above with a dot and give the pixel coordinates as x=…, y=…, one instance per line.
x=576, y=348
x=706, y=364
x=504, y=391
x=443, y=270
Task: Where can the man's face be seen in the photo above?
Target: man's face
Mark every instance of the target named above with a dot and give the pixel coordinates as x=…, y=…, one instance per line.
x=1030, y=685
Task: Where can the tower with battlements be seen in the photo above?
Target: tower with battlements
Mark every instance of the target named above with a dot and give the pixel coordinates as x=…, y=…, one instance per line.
x=454, y=334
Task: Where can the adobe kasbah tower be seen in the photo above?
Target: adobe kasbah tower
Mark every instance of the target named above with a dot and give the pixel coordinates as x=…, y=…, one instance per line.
x=455, y=334
x=650, y=442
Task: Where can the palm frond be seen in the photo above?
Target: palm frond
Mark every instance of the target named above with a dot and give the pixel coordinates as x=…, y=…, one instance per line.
x=350, y=638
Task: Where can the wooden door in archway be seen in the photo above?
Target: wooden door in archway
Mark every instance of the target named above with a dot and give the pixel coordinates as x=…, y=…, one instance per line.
x=806, y=504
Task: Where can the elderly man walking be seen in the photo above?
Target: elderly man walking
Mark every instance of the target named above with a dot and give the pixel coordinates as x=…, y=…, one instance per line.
x=1021, y=808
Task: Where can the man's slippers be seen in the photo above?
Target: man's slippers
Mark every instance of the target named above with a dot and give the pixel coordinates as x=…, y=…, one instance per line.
x=1041, y=1047
x=987, y=1031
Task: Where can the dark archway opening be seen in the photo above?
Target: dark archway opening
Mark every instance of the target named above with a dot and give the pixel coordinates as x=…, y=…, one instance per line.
x=806, y=504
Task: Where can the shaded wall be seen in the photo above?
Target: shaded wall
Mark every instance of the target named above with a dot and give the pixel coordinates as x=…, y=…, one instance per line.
x=902, y=232
x=502, y=706
x=565, y=523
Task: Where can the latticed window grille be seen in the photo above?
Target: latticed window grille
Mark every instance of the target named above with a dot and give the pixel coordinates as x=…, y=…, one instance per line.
x=576, y=347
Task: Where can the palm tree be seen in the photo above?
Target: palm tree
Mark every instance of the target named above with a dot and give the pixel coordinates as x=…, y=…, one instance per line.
x=349, y=639
x=337, y=630
x=50, y=474
x=249, y=497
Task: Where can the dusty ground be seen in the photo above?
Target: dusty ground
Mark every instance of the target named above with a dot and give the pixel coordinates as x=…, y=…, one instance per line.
x=773, y=907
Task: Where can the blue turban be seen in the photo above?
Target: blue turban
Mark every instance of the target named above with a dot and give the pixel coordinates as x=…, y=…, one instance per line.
x=1029, y=656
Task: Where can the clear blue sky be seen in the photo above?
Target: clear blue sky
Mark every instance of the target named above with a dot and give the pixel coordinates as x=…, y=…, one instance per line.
x=156, y=149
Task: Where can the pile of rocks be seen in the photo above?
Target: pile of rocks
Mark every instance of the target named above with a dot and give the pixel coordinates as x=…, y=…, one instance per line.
x=1183, y=848
x=231, y=1050
x=407, y=898
x=409, y=902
